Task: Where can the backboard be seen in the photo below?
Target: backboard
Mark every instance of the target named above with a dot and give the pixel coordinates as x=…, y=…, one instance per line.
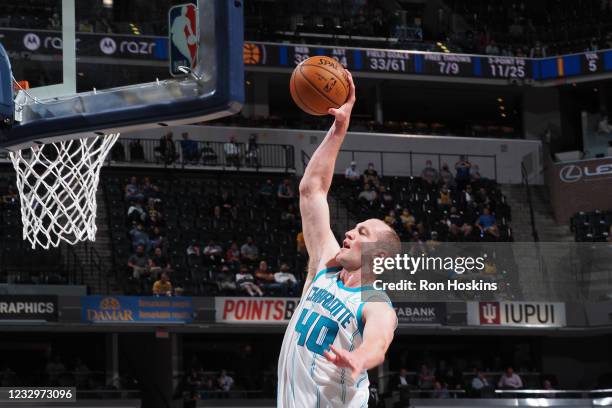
x=104, y=66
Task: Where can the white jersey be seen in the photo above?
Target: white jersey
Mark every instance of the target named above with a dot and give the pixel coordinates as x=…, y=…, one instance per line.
x=329, y=313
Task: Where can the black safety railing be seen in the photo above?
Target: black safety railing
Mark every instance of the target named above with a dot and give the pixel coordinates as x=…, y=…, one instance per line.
x=193, y=153
x=525, y=181
x=410, y=159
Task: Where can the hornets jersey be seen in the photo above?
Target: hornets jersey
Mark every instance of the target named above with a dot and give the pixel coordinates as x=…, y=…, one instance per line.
x=328, y=313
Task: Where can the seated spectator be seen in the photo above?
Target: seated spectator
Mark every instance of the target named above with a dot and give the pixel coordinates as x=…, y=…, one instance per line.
x=213, y=252
x=208, y=155
x=407, y=220
x=547, y=385
x=285, y=194
x=440, y=391
x=232, y=256
x=265, y=278
x=286, y=278
x=190, y=149
x=218, y=220
x=224, y=381
x=54, y=370
x=402, y=383
x=194, y=253
x=249, y=251
x=225, y=279
x=385, y=197
x=232, y=152
x=429, y=174
x=446, y=177
x=482, y=198
x=487, y=223
x=391, y=219
x=133, y=191
x=368, y=195
x=166, y=150
x=246, y=282
x=139, y=263
x=156, y=238
x=604, y=126
x=11, y=198
x=226, y=202
x=480, y=385
x=150, y=190
x=158, y=262
x=139, y=237
x=301, y=243
x=252, y=151
x=475, y=176
x=289, y=216
x=162, y=286
x=351, y=173
x=266, y=191
x=425, y=378
x=462, y=167
x=467, y=197
x=136, y=150
x=510, y=380
x=370, y=176
x=457, y=224
x=444, y=200
x=117, y=152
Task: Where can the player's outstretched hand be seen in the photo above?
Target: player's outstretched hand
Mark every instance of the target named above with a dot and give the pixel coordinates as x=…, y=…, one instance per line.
x=343, y=113
x=346, y=359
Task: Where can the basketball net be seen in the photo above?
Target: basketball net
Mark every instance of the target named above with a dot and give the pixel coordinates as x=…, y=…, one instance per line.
x=57, y=185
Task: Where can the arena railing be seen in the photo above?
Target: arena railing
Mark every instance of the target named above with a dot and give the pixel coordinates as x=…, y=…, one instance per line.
x=137, y=151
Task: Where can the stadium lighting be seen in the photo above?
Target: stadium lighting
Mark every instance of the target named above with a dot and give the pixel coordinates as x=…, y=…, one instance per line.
x=107, y=3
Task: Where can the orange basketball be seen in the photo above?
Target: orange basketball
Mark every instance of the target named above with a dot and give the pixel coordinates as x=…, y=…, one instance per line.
x=319, y=83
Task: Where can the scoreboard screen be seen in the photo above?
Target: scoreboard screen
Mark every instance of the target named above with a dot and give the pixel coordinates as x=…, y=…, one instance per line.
x=433, y=63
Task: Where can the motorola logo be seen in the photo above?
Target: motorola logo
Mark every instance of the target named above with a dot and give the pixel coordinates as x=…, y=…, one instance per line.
x=108, y=45
x=570, y=173
x=31, y=41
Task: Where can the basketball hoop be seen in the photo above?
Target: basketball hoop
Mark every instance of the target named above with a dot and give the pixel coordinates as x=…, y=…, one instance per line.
x=57, y=185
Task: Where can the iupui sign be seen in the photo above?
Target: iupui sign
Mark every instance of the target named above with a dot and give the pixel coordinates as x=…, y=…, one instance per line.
x=254, y=310
x=516, y=314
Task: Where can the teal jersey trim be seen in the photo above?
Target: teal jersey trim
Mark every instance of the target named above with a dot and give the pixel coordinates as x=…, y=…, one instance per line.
x=324, y=271
x=360, y=324
x=357, y=289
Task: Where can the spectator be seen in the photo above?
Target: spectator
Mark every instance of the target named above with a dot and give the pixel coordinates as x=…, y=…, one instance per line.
x=139, y=263
x=213, y=252
x=462, y=167
x=225, y=279
x=158, y=262
x=264, y=278
x=136, y=151
x=285, y=193
x=11, y=198
x=457, y=224
x=139, y=237
x=136, y=214
x=190, y=149
x=480, y=385
x=467, y=197
x=232, y=256
x=133, y=191
x=492, y=48
x=440, y=391
x=209, y=157
x=385, y=197
x=162, y=286
x=224, y=381
x=368, y=194
x=401, y=383
x=232, y=152
x=85, y=26
x=266, y=191
x=407, y=219
x=425, y=378
x=194, y=249
x=390, y=219
x=218, y=220
x=444, y=199
x=370, y=176
x=285, y=278
x=156, y=238
x=150, y=190
x=301, y=243
x=117, y=152
x=510, y=380
x=166, y=149
x=351, y=173
x=226, y=202
x=446, y=177
x=547, y=385
x=604, y=126
x=429, y=174
x=246, y=282
x=81, y=374
x=54, y=369
x=251, y=156
x=487, y=223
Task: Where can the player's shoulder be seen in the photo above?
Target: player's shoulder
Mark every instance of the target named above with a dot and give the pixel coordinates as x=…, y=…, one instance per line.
x=326, y=271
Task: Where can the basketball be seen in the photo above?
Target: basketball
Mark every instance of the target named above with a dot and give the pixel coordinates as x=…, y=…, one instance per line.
x=319, y=83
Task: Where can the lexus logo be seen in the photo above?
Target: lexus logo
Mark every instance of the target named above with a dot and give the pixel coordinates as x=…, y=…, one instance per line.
x=570, y=173
x=31, y=41
x=108, y=45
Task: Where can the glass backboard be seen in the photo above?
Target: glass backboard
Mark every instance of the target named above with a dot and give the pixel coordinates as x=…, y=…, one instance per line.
x=106, y=65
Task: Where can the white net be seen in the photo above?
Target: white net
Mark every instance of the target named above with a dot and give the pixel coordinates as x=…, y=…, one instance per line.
x=57, y=185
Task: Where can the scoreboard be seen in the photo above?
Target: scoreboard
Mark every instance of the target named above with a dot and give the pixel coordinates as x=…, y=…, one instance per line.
x=433, y=63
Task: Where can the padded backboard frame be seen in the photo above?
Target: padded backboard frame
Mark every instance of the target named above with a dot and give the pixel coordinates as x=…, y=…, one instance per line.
x=169, y=102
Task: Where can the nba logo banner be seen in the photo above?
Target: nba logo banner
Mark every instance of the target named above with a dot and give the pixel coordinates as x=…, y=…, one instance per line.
x=516, y=314
x=183, y=37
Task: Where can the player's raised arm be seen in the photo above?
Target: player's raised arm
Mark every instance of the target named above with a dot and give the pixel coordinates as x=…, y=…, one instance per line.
x=380, y=322
x=320, y=241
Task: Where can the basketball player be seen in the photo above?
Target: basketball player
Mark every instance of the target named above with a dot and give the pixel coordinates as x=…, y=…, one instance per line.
x=334, y=336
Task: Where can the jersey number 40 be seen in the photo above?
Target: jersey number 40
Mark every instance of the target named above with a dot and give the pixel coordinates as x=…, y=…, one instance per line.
x=322, y=335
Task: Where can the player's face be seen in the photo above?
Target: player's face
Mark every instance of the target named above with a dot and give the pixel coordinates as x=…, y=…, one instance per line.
x=350, y=252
